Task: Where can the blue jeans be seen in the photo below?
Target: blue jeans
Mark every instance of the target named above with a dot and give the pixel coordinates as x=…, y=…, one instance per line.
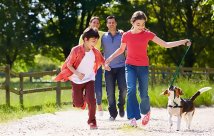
x=98, y=85
x=111, y=77
x=134, y=73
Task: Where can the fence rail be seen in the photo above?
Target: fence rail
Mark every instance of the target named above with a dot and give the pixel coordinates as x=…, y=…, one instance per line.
x=157, y=74
x=165, y=74
x=21, y=91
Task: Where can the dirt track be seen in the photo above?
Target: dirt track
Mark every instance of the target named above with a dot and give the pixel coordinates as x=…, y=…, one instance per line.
x=73, y=123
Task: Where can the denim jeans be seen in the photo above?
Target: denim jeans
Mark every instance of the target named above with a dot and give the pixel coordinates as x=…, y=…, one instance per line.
x=134, y=73
x=111, y=77
x=98, y=85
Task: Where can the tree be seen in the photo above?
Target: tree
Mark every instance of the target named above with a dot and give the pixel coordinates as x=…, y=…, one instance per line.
x=65, y=20
x=18, y=32
x=186, y=18
x=53, y=27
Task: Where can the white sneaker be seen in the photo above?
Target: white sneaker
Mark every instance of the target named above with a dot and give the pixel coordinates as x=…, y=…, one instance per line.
x=133, y=122
x=100, y=113
x=111, y=119
x=100, y=110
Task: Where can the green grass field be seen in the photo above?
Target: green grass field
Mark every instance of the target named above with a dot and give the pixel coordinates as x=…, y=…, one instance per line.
x=44, y=102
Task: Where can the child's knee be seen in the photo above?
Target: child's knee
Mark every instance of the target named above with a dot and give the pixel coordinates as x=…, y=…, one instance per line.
x=77, y=104
x=91, y=101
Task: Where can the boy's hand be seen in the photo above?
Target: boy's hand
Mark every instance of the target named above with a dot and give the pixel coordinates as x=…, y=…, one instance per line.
x=80, y=75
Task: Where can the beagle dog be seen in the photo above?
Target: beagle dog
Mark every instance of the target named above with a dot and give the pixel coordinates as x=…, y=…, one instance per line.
x=182, y=108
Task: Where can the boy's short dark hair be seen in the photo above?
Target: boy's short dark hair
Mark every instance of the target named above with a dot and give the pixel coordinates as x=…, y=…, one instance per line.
x=110, y=17
x=90, y=33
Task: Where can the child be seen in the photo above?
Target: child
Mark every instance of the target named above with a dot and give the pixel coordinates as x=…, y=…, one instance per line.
x=137, y=62
x=80, y=68
x=95, y=23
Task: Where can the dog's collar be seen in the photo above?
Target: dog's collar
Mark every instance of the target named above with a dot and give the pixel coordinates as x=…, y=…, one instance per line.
x=176, y=106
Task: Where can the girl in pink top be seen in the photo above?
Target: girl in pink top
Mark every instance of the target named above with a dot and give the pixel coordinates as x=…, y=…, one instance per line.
x=137, y=62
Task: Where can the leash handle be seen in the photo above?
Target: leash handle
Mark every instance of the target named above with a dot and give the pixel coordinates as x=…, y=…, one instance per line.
x=177, y=70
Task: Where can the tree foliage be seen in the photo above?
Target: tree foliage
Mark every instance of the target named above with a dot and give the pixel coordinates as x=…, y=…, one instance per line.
x=174, y=20
x=53, y=27
x=18, y=32
x=65, y=20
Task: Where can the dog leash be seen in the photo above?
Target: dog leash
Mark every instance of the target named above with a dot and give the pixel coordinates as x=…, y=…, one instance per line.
x=178, y=67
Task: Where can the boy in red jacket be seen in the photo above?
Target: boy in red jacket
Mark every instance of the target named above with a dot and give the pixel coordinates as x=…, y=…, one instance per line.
x=80, y=68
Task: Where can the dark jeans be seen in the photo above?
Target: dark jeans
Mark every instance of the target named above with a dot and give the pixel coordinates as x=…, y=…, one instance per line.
x=111, y=77
x=79, y=98
x=98, y=85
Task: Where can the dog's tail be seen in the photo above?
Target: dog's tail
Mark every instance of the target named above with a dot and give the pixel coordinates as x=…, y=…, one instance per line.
x=202, y=90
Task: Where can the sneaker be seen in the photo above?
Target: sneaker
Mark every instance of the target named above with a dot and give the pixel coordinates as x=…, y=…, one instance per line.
x=111, y=118
x=121, y=113
x=100, y=110
x=146, y=119
x=93, y=126
x=133, y=122
x=100, y=113
x=84, y=105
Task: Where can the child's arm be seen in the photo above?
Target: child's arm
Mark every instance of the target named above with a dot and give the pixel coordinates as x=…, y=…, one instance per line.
x=106, y=67
x=80, y=75
x=116, y=53
x=165, y=44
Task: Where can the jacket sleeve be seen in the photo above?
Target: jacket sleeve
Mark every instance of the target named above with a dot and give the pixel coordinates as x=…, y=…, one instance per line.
x=65, y=72
x=71, y=58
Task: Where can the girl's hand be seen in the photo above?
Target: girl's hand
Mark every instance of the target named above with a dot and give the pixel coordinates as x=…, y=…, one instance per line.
x=106, y=66
x=187, y=42
x=108, y=60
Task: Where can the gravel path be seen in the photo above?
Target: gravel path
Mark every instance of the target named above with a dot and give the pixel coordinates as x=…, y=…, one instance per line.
x=73, y=123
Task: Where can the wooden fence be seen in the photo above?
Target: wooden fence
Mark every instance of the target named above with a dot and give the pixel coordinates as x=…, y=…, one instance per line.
x=165, y=74
x=157, y=75
x=21, y=91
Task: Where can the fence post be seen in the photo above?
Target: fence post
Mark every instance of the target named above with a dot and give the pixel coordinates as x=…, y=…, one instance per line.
x=7, y=84
x=21, y=90
x=58, y=94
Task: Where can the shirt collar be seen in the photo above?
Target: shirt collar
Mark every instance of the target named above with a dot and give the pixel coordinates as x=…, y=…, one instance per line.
x=117, y=33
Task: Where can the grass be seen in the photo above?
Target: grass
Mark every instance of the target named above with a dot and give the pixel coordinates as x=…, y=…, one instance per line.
x=36, y=103
x=189, y=87
x=44, y=102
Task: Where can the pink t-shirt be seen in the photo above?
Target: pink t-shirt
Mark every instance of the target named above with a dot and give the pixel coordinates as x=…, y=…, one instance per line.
x=137, y=47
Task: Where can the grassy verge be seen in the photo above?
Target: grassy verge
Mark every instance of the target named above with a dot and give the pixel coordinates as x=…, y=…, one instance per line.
x=36, y=103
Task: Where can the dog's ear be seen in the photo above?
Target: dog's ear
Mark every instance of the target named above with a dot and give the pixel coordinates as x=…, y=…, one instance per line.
x=178, y=91
x=166, y=92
